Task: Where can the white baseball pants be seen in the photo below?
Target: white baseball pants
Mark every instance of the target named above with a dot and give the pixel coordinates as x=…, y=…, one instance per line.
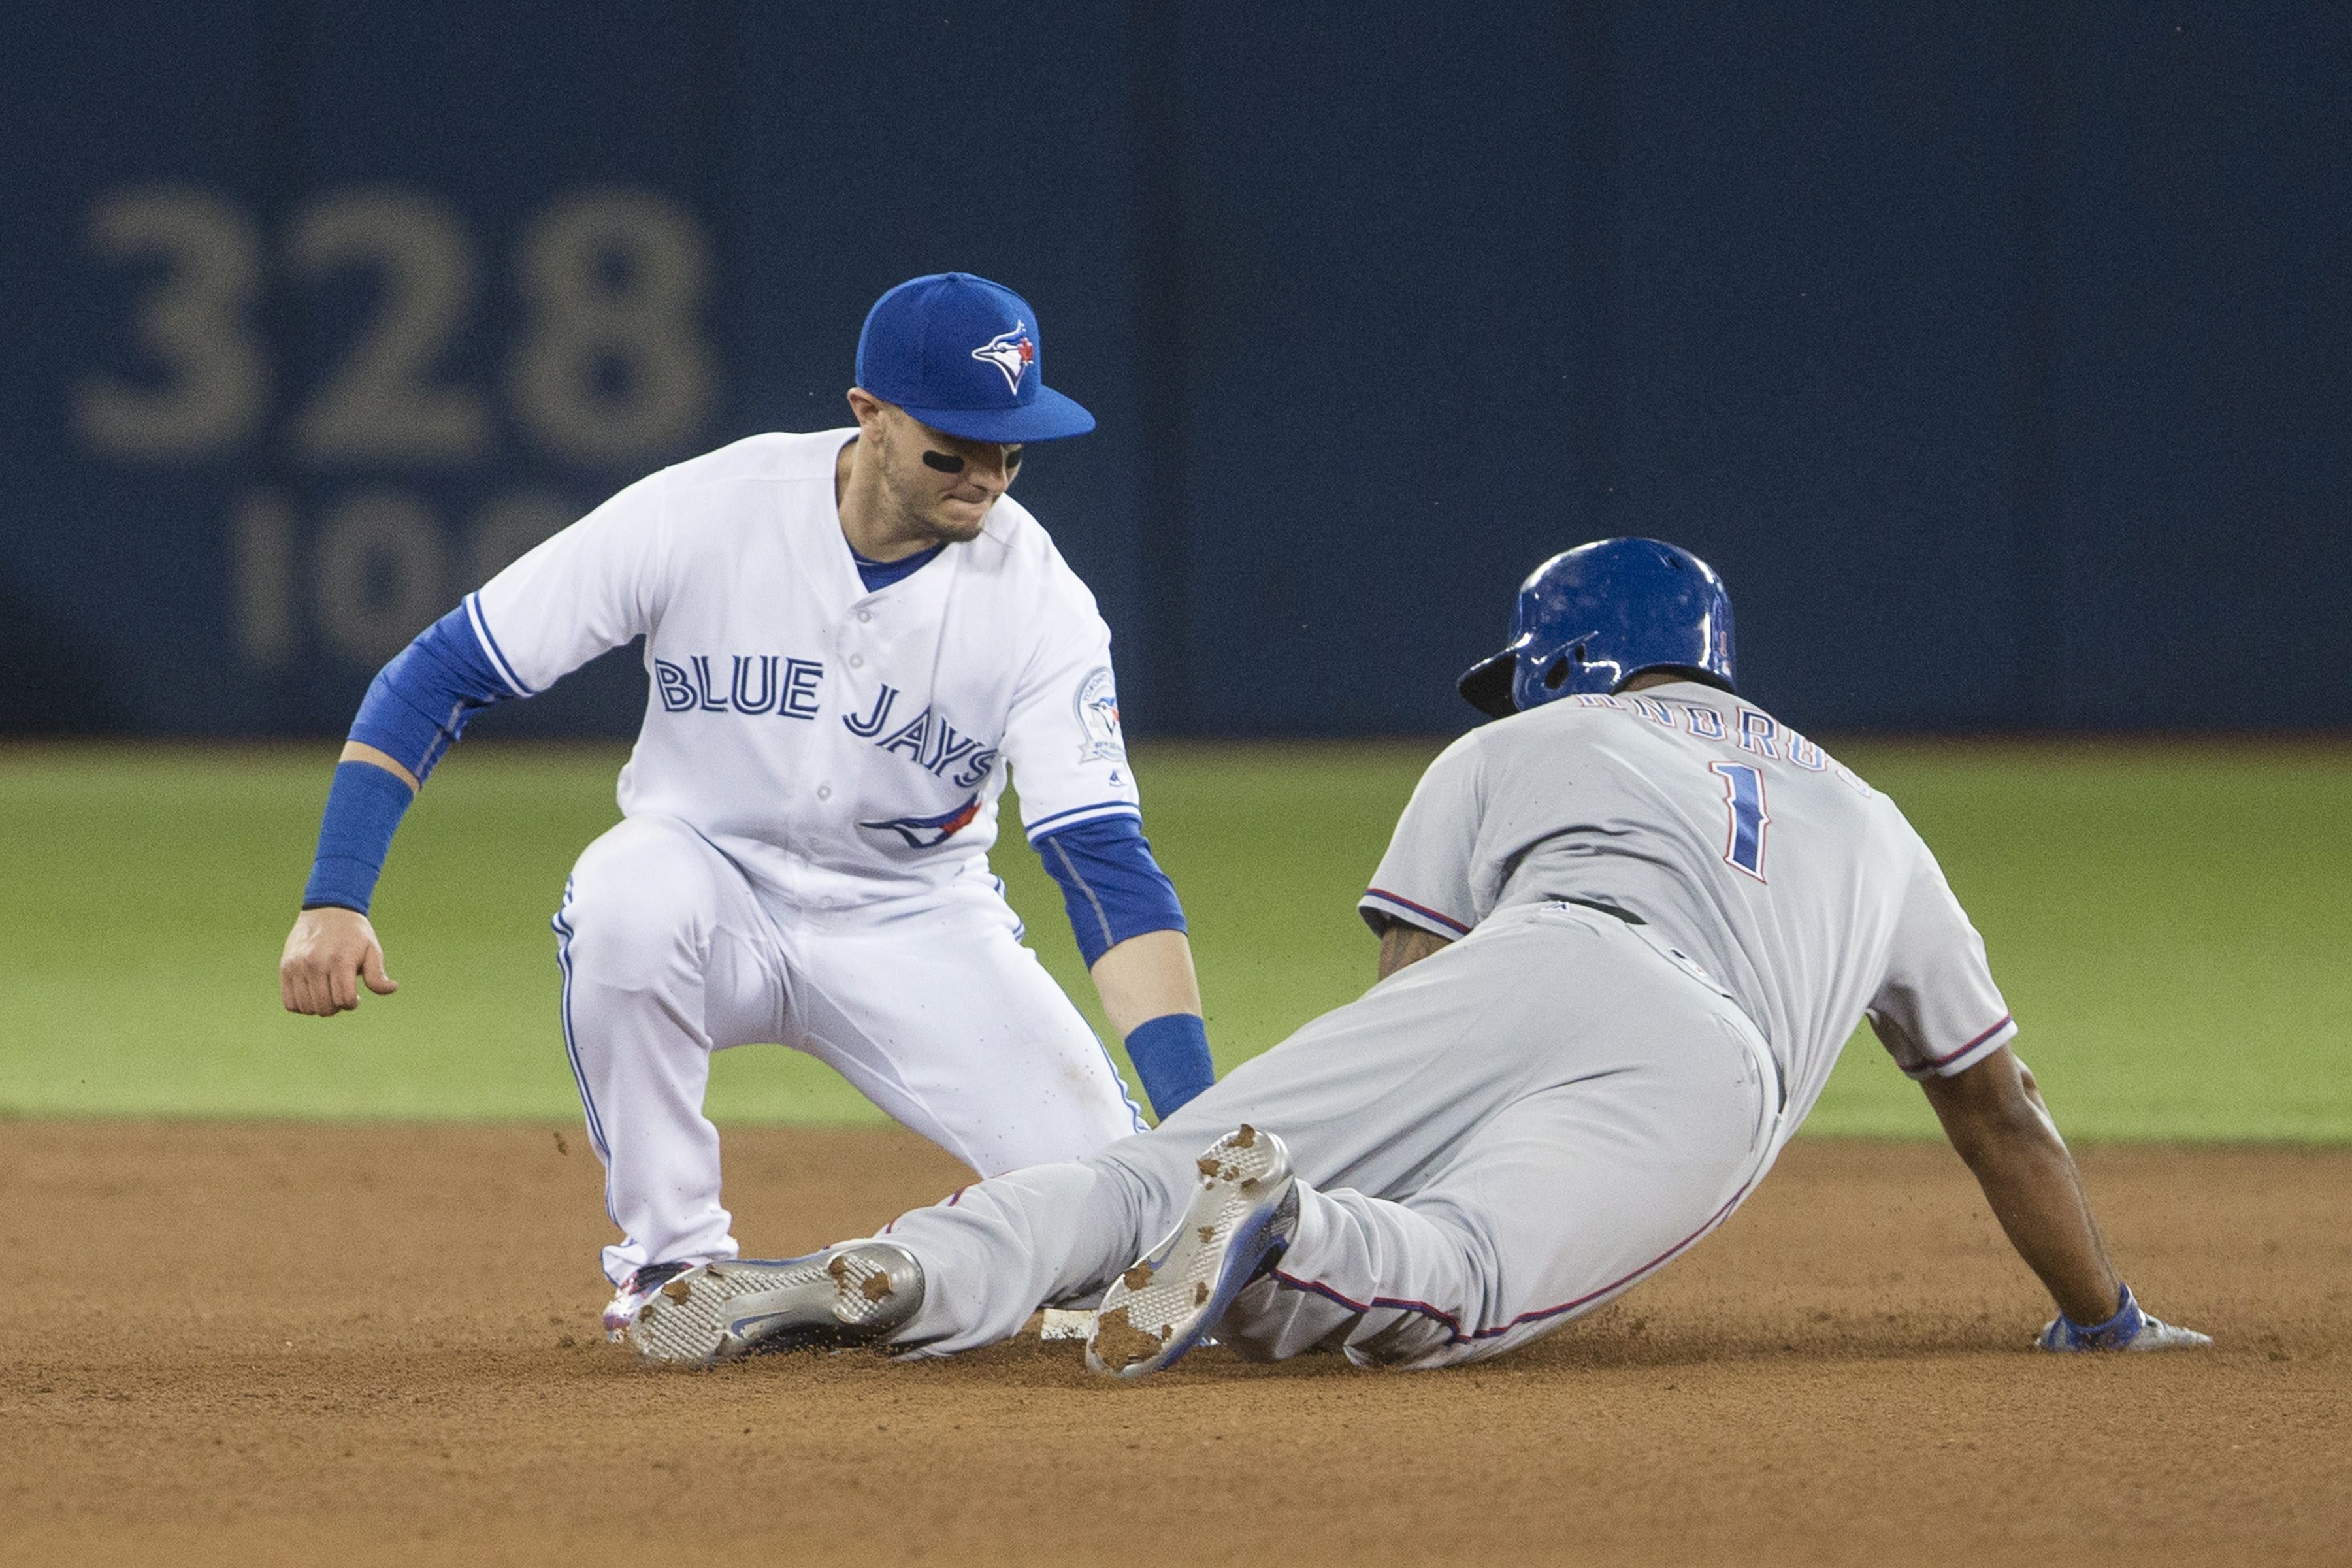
x=932, y=1008
x=1506, y=1135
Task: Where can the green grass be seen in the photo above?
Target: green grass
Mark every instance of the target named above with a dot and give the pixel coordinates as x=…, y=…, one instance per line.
x=2169, y=924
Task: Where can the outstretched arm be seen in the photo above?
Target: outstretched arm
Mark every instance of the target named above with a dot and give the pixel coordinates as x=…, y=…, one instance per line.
x=415, y=710
x=1131, y=930
x=1995, y=1118
x=332, y=950
x=594, y=586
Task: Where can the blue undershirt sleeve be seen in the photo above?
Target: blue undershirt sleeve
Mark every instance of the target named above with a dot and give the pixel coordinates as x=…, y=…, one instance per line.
x=1114, y=890
x=418, y=704
x=415, y=710
x=1111, y=886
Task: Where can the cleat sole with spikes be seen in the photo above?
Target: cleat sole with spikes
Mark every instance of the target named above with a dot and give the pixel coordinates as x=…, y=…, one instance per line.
x=848, y=1295
x=1240, y=1219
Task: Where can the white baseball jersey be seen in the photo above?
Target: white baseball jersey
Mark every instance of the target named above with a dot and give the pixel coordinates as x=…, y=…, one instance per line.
x=842, y=746
x=1799, y=890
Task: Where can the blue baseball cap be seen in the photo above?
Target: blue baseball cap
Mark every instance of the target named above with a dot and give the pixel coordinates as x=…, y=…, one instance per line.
x=964, y=355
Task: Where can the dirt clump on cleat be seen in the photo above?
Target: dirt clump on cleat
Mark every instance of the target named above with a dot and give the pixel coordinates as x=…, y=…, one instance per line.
x=856, y=1293
x=1119, y=1343
x=875, y=1286
x=1240, y=1218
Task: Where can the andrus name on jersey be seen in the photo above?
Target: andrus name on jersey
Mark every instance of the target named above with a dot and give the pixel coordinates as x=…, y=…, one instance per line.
x=1750, y=730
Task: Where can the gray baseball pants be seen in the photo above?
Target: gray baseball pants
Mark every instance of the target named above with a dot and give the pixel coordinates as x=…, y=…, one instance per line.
x=1501, y=1137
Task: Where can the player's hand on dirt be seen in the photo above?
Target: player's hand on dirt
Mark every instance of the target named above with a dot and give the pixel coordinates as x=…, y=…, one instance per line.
x=327, y=954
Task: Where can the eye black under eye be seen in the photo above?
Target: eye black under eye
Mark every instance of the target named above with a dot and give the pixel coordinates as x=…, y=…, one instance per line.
x=949, y=463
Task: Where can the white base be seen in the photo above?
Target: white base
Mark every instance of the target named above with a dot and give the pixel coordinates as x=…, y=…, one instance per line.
x=1067, y=1323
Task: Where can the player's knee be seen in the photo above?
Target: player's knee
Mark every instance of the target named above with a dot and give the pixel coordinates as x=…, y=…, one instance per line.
x=640, y=897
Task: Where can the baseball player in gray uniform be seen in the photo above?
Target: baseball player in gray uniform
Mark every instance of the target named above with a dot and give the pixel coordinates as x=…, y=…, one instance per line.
x=1624, y=932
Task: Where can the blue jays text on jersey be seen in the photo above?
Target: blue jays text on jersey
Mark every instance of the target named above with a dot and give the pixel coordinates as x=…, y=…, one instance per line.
x=754, y=689
x=791, y=708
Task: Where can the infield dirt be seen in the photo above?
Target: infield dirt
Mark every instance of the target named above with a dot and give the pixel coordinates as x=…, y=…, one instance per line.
x=303, y=1343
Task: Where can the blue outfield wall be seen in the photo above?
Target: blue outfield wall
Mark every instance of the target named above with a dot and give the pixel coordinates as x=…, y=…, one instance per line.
x=1998, y=358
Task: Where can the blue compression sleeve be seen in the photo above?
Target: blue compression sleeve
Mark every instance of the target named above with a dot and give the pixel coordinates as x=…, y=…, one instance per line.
x=365, y=807
x=414, y=712
x=1171, y=1054
x=1111, y=886
x=418, y=704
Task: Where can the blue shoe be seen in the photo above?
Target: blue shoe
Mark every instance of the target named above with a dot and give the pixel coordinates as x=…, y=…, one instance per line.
x=852, y=1294
x=1240, y=1221
x=2129, y=1330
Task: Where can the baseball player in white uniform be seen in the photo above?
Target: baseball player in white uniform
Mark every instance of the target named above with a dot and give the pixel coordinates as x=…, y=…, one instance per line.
x=1625, y=929
x=852, y=637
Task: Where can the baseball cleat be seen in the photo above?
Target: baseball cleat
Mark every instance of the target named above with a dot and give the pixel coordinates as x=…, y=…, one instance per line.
x=630, y=1297
x=1240, y=1221
x=846, y=1295
x=2129, y=1330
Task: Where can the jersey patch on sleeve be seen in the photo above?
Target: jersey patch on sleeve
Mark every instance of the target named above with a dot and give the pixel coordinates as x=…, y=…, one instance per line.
x=1097, y=710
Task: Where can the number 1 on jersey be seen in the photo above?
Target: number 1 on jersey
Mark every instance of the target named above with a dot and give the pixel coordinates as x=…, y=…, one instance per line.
x=1743, y=791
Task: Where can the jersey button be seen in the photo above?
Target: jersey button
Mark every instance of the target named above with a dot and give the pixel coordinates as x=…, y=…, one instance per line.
x=825, y=791
x=865, y=614
x=858, y=661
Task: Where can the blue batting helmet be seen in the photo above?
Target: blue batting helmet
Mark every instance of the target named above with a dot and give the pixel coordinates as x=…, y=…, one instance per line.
x=1591, y=618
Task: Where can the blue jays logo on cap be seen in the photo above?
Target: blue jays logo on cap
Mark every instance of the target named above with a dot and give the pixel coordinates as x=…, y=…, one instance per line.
x=948, y=347
x=1012, y=352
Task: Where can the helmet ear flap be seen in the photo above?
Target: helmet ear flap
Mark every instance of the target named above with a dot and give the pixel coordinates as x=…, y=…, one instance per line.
x=1487, y=685
x=1590, y=618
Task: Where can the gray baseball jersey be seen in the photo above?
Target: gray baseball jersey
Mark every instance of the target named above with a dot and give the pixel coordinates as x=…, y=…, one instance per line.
x=1796, y=887
x=1524, y=1125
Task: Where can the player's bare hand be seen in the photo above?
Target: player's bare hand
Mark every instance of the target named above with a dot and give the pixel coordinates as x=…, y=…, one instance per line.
x=327, y=954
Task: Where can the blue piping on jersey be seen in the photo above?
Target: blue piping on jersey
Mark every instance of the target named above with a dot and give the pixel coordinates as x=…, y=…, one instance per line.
x=1448, y=921
x=481, y=626
x=1044, y=825
x=1134, y=1111
x=571, y=1050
